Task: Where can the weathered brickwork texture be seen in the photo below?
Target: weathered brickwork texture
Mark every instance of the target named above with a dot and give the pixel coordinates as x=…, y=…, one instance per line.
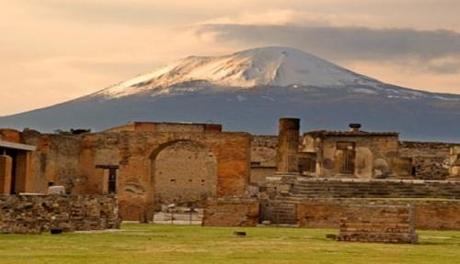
x=435, y=214
x=150, y=165
x=231, y=212
x=431, y=160
x=378, y=223
x=37, y=213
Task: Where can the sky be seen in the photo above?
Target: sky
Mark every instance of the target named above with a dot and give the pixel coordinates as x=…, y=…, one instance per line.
x=56, y=50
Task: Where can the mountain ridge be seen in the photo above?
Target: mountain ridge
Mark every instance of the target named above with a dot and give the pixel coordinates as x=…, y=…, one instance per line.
x=249, y=91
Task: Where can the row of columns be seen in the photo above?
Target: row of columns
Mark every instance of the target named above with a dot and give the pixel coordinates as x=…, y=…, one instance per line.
x=22, y=181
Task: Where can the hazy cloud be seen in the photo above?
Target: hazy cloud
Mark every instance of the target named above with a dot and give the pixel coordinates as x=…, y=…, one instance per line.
x=440, y=49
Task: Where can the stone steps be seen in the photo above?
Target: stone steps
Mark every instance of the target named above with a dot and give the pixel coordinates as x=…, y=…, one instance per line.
x=375, y=189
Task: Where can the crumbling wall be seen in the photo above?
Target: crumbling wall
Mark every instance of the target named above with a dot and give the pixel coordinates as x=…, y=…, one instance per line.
x=263, y=158
x=166, y=127
x=78, y=162
x=56, y=160
x=374, y=157
x=10, y=135
x=263, y=150
x=37, y=213
x=378, y=223
x=231, y=212
x=431, y=159
x=136, y=152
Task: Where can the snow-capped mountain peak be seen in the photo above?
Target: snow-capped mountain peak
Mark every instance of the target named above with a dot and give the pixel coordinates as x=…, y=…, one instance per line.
x=248, y=91
x=274, y=66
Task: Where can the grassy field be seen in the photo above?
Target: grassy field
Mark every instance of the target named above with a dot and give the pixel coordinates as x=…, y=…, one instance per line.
x=137, y=243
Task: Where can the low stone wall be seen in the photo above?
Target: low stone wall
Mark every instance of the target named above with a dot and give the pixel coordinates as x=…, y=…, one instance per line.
x=39, y=213
x=434, y=214
x=378, y=223
x=231, y=212
x=362, y=188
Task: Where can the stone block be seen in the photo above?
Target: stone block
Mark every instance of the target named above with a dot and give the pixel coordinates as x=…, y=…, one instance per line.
x=378, y=223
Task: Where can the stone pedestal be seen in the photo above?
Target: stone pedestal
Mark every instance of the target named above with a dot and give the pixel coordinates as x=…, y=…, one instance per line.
x=6, y=166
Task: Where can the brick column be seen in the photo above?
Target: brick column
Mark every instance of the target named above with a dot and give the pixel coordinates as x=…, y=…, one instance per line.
x=288, y=146
x=6, y=166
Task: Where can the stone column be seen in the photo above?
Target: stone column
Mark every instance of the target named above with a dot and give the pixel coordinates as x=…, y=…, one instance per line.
x=6, y=168
x=288, y=146
x=24, y=182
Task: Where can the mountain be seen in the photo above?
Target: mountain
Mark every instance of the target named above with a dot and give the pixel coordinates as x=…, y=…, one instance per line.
x=249, y=91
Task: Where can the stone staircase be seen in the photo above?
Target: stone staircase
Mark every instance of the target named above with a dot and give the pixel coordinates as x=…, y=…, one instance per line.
x=347, y=188
x=287, y=192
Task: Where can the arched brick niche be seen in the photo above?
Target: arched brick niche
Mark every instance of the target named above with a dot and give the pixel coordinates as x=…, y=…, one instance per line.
x=183, y=171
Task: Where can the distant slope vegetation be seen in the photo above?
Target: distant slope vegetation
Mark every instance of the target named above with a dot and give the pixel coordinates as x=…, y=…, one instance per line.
x=249, y=91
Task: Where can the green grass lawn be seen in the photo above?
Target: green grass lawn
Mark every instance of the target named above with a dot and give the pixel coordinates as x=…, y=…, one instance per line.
x=137, y=243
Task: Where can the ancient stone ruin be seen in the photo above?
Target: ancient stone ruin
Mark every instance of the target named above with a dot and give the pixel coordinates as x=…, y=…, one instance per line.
x=235, y=178
x=379, y=223
x=33, y=214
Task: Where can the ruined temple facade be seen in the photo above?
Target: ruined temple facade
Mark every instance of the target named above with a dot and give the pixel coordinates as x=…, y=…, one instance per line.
x=151, y=165
x=353, y=153
x=336, y=154
x=145, y=164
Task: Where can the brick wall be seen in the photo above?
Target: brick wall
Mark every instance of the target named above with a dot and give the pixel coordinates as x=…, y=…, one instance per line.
x=184, y=172
x=434, y=214
x=74, y=162
x=39, y=213
x=378, y=223
x=231, y=212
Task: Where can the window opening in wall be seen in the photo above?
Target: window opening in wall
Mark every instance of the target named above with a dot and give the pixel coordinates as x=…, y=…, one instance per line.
x=347, y=165
x=307, y=164
x=112, y=179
